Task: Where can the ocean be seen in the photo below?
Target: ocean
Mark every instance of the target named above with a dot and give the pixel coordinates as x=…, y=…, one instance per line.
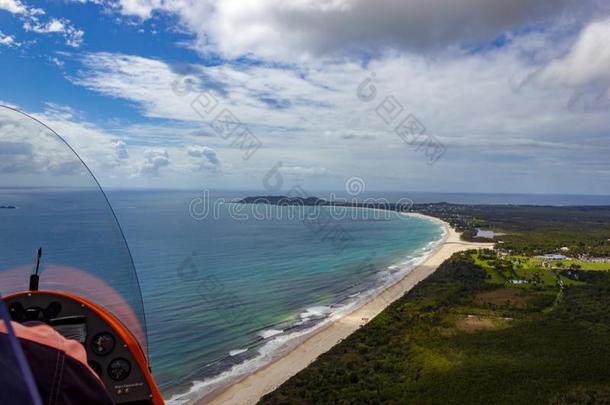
x=224, y=294
x=226, y=287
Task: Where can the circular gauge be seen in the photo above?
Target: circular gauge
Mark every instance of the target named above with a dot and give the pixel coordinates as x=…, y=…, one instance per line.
x=96, y=367
x=102, y=343
x=119, y=369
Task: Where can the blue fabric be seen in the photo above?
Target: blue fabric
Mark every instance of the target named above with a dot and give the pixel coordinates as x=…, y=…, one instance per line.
x=17, y=385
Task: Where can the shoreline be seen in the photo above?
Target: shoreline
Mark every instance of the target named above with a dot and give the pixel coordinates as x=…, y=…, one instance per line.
x=249, y=388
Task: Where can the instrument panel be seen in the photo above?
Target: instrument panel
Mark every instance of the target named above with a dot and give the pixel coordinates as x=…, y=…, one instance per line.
x=107, y=353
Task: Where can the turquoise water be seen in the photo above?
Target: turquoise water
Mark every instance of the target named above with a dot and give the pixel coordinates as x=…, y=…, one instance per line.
x=225, y=293
x=219, y=292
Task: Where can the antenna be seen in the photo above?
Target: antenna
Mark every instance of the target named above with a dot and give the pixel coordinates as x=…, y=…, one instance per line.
x=34, y=277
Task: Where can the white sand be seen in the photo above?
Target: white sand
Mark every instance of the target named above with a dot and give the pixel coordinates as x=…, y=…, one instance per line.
x=250, y=388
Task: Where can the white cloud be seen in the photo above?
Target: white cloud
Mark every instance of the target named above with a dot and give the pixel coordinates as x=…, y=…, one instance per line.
x=582, y=69
x=60, y=112
x=73, y=36
x=436, y=58
x=144, y=81
x=13, y=6
x=116, y=155
x=203, y=158
x=300, y=171
x=310, y=118
x=21, y=9
x=140, y=8
x=5, y=103
x=155, y=160
x=121, y=150
x=29, y=148
x=276, y=29
x=587, y=62
x=35, y=20
x=96, y=146
x=56, y=61
x=104, y=152
x=8, y=40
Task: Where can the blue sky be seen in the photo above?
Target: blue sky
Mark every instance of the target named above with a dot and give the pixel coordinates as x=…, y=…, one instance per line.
x=491, y=96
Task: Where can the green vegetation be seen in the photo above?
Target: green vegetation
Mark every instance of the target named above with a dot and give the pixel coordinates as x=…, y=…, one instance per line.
x=580, y=264
x=532, y=230
x=469, y=335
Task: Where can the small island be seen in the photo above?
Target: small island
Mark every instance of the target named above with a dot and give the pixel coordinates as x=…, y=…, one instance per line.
x=316, y=201
x=283, y=200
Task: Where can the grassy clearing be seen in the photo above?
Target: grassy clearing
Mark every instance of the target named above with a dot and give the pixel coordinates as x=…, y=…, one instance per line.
x=583, y=265
x=476, y=323
x=509, y=297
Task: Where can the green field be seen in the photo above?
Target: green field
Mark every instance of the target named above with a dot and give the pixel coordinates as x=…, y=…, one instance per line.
x=587, y=265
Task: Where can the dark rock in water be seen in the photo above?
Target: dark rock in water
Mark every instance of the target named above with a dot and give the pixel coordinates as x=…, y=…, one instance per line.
x=8, y=207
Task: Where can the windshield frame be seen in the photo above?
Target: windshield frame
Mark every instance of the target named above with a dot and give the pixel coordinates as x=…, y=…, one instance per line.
x=96, y=186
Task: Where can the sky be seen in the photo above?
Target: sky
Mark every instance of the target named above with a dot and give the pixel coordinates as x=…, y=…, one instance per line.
x=401, y=95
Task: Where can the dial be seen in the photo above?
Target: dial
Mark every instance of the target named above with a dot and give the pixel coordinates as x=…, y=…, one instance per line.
x=102, y=343
x=119, y=369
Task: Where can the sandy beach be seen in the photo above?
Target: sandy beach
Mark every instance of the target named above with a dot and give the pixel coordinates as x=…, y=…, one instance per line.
x=250, y=388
